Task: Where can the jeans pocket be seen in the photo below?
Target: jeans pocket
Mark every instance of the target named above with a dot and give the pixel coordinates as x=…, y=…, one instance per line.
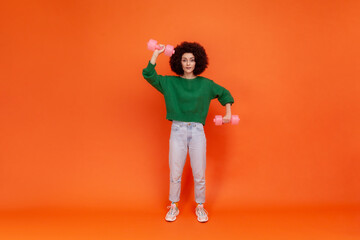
x=200, y=127
x=175, y=127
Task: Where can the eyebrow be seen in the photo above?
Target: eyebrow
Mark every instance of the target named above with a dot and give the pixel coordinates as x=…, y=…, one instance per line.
x=187, y=58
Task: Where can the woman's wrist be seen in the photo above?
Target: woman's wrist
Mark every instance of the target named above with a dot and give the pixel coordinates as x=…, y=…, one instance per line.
x=228, y=109
x=153, y=58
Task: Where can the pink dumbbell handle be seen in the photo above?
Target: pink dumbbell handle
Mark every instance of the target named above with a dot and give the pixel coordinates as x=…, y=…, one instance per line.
x=158, y=47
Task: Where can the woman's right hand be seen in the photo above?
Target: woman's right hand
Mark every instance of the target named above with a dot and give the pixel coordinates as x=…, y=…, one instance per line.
x=158, y=52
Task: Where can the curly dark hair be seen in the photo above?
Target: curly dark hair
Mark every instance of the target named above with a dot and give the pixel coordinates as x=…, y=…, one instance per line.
x=201, y=58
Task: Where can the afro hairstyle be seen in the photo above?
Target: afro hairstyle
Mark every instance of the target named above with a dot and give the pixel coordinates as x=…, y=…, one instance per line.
x=197, y=50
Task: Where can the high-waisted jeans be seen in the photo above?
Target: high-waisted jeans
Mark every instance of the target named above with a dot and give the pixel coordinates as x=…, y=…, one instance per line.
x=184, y=136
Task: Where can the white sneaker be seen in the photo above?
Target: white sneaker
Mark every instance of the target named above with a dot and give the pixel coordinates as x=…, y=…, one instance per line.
x=201, y=213
x=172, y=213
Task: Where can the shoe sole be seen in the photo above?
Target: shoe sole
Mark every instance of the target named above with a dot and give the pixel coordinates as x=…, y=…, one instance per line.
x=202, y=221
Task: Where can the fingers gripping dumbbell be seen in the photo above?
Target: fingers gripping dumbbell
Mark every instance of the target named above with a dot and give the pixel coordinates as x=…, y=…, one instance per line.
x=218, y=120
x=152, y=45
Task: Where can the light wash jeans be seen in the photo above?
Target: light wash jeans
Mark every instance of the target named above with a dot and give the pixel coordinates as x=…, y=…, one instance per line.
x=184, y=136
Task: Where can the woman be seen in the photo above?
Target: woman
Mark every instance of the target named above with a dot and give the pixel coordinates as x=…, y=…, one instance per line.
x=187, y=98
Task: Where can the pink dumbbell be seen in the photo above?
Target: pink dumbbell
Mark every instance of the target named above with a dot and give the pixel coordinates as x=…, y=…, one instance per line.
x=218, y=120
x=152, y=45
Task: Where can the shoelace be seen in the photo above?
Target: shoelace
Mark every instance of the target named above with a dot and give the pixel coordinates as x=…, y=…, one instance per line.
x=201, y=211
x=172, y=210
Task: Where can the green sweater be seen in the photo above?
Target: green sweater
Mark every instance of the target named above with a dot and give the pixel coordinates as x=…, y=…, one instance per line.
x=187, y=100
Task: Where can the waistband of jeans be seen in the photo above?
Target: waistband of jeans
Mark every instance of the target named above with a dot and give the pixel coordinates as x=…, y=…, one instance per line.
x=193, y=124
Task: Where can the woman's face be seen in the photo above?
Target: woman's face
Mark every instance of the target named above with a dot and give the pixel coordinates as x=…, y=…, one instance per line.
x=188, y=62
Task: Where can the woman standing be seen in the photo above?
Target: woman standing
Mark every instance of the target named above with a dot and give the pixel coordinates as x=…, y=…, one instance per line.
x=187, y=98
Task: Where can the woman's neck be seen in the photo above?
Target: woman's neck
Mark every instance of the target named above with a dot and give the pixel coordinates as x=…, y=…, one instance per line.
x=188, y=76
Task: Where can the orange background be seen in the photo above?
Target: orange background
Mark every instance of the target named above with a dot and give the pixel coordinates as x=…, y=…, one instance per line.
x=81, y=128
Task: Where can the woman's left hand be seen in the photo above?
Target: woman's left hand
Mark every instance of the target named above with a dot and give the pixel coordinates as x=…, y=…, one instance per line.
x=227, y=118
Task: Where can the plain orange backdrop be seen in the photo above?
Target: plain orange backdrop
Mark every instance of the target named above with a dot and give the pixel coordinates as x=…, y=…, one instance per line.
x=80, y=127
